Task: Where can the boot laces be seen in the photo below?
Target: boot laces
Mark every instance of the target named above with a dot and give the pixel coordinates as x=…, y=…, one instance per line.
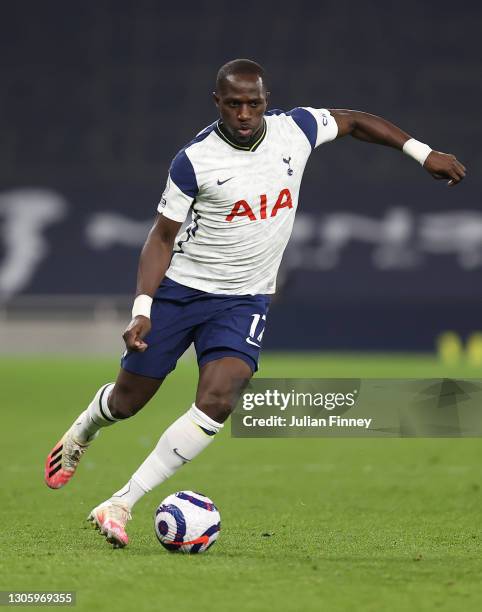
x=72, y=454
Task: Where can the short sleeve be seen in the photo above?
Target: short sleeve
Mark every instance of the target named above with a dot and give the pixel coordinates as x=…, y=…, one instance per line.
x=181, y=189
x=318, y=124
x=327, y=126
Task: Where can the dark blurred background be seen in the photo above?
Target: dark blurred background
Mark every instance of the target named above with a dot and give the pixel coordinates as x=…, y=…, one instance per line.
x=97, y=97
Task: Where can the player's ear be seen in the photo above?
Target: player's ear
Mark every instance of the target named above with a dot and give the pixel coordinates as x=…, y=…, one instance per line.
x=267, y=95
x=216, y=98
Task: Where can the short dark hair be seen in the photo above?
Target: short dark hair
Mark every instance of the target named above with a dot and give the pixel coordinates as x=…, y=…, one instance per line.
x=239, y=66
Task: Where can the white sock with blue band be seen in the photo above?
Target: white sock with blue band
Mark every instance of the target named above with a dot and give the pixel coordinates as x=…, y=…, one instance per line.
x=179, y=444
x=96, y=416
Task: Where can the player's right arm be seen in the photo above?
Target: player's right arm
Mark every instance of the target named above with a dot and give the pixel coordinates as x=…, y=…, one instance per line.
x=179, y=194
x=153, y=263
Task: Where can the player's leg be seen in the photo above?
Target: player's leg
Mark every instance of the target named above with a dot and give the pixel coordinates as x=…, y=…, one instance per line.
x=227, y=333
x=220, y=384
x=138, y=380
x=115, y=402
x=112, y=402
x=226, y=363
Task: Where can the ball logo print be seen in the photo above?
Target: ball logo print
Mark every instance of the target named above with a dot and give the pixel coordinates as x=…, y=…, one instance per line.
x=188, y=522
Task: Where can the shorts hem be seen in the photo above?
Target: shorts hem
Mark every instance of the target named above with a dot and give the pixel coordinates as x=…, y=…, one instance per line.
x=220, y=353
x=132, y=370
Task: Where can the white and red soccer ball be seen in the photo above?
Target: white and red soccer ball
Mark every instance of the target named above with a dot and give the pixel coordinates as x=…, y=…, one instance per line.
x=187, y=522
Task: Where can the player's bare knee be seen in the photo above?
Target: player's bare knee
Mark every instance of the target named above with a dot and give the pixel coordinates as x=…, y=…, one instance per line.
x=216, y=405
x=123, y=403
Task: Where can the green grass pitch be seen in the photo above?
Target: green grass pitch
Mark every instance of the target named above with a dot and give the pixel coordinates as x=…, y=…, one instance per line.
x=353, y=524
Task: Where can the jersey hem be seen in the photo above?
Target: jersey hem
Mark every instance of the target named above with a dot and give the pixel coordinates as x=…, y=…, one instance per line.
x=200, y=286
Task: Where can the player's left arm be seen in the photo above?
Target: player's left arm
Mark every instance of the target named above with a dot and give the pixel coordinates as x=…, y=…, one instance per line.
x=371, y=128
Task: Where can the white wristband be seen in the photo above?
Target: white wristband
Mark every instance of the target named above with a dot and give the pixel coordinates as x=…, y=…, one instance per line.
x=142, y=306
x=416, y=149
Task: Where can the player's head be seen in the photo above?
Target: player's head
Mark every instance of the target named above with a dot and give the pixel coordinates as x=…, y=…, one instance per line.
x=241, y=97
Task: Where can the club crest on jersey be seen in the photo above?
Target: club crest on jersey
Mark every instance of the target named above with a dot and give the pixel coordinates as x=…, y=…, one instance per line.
x=241, y=208
x=287, y=161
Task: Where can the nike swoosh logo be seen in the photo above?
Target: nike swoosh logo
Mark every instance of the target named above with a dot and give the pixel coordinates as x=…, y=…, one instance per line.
x=184, y=460
x=222, y=182
x=249, y=341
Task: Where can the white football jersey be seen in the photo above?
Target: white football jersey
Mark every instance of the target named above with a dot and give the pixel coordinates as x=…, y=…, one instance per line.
x=243, y=201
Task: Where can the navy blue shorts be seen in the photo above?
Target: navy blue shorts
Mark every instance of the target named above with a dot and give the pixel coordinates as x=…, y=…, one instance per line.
x=219, y=325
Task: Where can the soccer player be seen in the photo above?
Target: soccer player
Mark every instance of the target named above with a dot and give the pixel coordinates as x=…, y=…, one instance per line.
x=239, y=178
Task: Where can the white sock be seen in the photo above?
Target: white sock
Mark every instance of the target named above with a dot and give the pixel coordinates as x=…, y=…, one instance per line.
x=179, y=444
x=96, y=415
x=129, y=494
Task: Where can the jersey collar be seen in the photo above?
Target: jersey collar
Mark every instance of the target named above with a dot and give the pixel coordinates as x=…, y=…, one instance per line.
x=251, y=147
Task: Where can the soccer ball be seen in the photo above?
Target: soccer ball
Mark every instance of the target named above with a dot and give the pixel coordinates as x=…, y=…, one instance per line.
x=188, y=522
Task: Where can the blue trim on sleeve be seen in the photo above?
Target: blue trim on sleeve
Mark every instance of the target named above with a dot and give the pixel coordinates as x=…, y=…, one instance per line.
x=182, y=171
x=183, y=175
x=306, y=122
x=274, y=111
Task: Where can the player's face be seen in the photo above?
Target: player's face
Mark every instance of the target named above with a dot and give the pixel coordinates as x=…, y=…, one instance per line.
x=242, y=103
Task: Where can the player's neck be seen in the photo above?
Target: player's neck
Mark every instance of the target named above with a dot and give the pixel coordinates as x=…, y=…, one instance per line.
x=244, y=144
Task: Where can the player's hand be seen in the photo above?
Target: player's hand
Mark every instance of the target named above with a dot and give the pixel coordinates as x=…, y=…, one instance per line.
x=133, y=336
x=445, y=166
